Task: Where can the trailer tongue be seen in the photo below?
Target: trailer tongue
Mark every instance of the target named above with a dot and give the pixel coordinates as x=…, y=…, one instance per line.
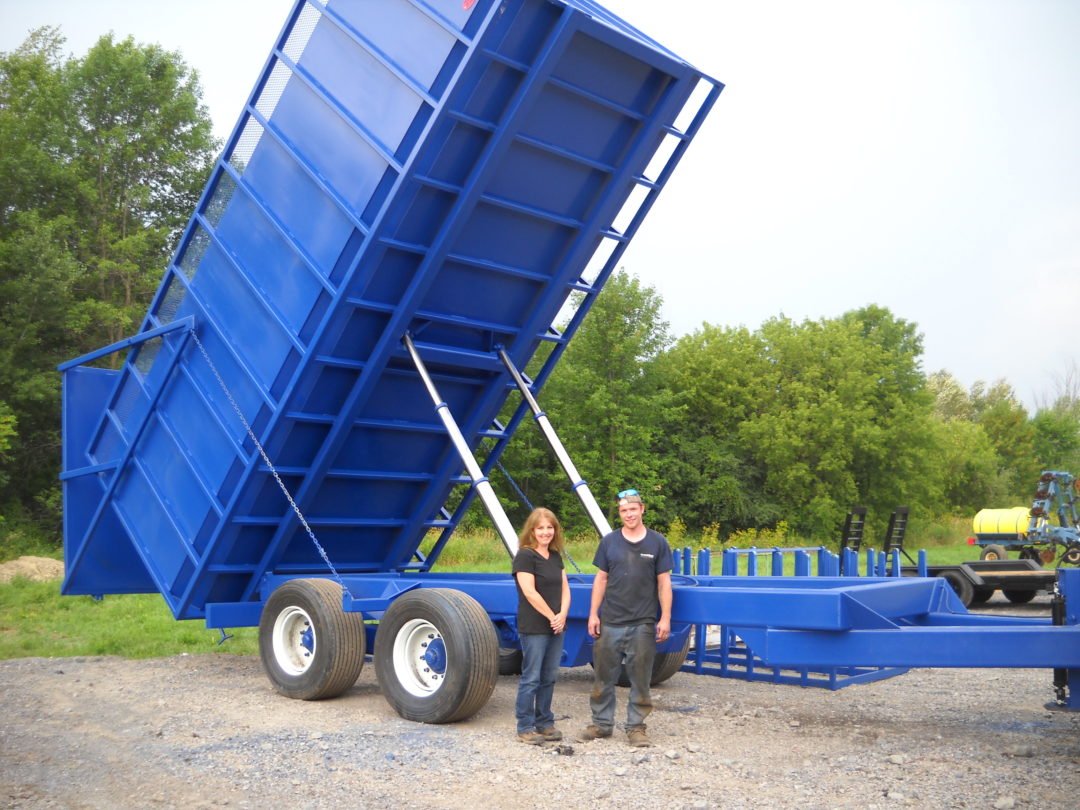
x=409, y=199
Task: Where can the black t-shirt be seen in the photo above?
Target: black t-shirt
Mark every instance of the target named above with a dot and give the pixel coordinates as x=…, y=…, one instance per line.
x=632, y=596
x=547, y=576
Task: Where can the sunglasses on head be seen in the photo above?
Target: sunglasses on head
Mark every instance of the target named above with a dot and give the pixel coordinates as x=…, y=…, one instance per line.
x=626, y=493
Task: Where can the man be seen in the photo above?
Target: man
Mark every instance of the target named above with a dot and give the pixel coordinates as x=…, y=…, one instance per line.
x=632, y=586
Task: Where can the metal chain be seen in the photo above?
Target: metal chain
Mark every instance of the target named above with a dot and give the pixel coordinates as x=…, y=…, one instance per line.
x=269, y=464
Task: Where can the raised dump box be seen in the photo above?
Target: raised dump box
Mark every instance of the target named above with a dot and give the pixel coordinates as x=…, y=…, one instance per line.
x=449, y=170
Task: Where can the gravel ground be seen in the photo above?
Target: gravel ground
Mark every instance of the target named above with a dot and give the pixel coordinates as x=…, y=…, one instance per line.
x=208, y=731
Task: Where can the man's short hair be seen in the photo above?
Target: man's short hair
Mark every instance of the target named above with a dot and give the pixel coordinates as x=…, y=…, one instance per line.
x=629, y=496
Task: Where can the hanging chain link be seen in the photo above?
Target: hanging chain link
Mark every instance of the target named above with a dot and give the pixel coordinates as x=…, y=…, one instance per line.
x=269, y=464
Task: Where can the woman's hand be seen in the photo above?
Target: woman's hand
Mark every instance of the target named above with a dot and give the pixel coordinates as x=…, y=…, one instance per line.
x=558, y=623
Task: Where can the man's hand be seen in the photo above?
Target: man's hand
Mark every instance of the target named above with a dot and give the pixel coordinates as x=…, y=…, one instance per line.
x=663, y=630
x=594, y=626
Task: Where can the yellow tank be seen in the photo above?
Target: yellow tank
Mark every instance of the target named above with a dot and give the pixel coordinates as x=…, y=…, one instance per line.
x=1002, y=521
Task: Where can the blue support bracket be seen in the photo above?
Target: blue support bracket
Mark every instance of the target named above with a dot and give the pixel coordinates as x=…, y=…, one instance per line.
x=377, y=604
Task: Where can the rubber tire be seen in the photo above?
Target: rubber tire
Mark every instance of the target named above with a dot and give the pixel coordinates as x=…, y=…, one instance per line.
x=509, y=661
x=960, y=584
x=667, y=664
x=1031, y=553
x=994, y=552
x=981, y=595
x=471, y=655
x=1019, y=597
x=336, y=645
x=664, y=665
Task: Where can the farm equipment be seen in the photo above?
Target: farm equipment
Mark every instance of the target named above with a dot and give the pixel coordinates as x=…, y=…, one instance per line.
x=974, y=582
x=408, y=201
x=1033, y=532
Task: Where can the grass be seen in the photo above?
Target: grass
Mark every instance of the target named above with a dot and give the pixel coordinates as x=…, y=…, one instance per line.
x=36, y=621
x=481, y=551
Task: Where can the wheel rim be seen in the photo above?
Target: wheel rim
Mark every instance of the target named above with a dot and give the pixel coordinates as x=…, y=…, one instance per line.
x=294, y=641
x=420, y=657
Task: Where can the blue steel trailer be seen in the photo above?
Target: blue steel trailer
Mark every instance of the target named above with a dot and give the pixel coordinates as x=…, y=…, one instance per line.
x=411, y=196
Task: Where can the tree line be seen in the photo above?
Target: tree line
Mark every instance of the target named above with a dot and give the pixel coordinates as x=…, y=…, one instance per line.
x=102, y=159
x=730, y=429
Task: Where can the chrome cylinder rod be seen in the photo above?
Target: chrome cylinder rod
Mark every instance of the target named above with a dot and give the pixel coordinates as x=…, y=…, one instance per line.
x=480, y=481
x=578, y=484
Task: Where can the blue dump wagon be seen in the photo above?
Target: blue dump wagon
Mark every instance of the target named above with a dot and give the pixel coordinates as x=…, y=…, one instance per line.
x=411, y=196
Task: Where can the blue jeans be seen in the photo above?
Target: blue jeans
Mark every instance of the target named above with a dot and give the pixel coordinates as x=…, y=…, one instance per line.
x=637, y=644
x=540, y=657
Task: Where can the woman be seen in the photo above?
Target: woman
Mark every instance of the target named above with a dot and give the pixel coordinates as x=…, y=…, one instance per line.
x=543, y=602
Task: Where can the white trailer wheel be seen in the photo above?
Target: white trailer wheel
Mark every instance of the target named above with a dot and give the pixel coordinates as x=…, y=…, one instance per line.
x=419, y=658
x=310, y=647
x=436, y=655
x=293, y=641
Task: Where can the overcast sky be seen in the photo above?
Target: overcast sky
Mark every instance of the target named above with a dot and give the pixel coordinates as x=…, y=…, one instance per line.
x=923, y=155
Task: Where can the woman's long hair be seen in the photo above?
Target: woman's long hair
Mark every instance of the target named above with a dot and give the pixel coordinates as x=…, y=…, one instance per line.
x=527, y=540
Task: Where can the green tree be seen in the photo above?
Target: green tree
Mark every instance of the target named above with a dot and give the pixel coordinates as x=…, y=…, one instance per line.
x=951, y=401
x=7, y=433
x=968, y=468
x=1057, y=425
x=142, y=148
x=1006, y=423
x=717, y=376
x=101, y=160
x=608, y=403
x=845, y=419
x=1057, y=439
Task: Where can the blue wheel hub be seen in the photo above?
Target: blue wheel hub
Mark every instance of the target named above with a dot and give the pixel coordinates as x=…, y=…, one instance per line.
x=435, y=656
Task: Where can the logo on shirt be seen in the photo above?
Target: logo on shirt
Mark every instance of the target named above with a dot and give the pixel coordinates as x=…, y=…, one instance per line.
x=646, y=556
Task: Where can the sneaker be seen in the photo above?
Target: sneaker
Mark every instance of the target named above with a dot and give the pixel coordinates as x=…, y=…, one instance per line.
x=531, y=737
x=637, y=738
x=593, y=733
x=550, y=734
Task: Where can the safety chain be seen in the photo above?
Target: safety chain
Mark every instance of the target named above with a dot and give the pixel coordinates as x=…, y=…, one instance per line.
x=269, y=464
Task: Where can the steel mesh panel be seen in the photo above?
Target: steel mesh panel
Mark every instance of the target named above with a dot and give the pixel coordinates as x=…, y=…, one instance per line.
x=171, y=301
x=125, y=403
x=108, y=447
x=219, y=201
x=245, y=145
x=148, y=352
x=301, y=32
x=272, y=90
x=193, y=253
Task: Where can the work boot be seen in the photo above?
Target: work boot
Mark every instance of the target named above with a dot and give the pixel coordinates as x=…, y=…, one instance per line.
x=593, y=733
x=636, y=737
x=531, y=737
x=551, y=734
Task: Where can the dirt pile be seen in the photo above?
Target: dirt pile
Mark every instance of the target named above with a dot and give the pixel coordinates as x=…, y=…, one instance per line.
x=38, y=569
